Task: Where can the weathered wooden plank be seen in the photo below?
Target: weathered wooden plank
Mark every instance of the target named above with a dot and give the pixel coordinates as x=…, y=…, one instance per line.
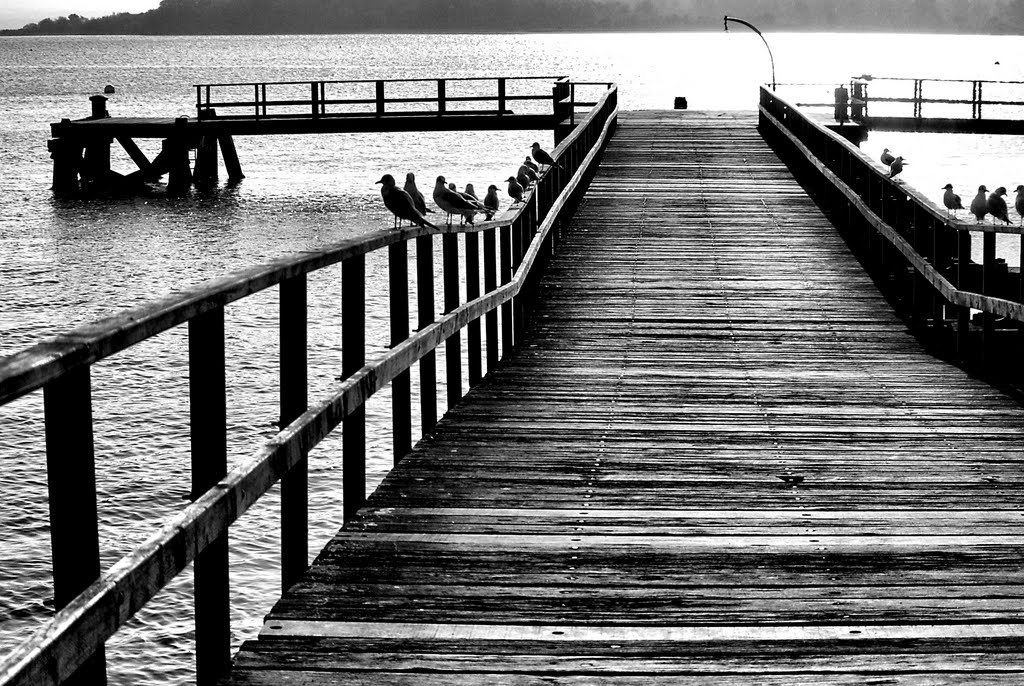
x=716, y=429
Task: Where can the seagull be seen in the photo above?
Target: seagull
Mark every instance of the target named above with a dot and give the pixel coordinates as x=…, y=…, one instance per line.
x=979, y=206
x=515, y=191
x=997, y=206
x=528, y=173
x=1019, y=203
x=452, y=202
x=492, y=203
x=470, y=191
x=896, y=167
x=531, y=164
x=470, y=196
x=417, y=197
x=950, y=199
x=401, y=203
x=887, y=157
x=523, y=178
x=542, y=157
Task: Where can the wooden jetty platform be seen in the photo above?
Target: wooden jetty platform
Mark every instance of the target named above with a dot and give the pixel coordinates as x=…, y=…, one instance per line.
x=718, y=457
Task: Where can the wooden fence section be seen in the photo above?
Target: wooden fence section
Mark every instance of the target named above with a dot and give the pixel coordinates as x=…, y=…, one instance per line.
x=920, y=255
x=719, y=457
x=93, y=605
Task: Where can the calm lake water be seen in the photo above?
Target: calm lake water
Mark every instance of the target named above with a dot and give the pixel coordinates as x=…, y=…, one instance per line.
x=64, y=263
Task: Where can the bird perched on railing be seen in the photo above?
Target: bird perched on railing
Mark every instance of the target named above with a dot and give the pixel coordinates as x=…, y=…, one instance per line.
x=979, y=206
x=1019, y=203
x=515, y=191
x=470, y=195
x=525, y=171
x=950, y=199
x=417, y=196
x=896, y=167
x=522, y=178
x=401, y=203
x=453, y=202
x=531, y=164
x=491, y=201
x=542, y=157
x=997, y=206
x=888, y=158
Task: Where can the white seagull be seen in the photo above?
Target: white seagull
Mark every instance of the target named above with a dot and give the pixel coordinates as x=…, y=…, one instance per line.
x=417, y=197
x=515, y=191
x=950, y=199
x=453, y=202
x=997, y=206
x=492, y=203
x=979, y=206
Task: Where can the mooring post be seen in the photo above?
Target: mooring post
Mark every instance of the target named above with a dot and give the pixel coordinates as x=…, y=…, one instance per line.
x=99, y=107
x=176, y=148
x=67, y=163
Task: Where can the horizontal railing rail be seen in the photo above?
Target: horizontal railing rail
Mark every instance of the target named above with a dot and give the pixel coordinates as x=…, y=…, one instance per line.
x=92, y=606
x=861, y=100
x=918, y=252
x=369, y=97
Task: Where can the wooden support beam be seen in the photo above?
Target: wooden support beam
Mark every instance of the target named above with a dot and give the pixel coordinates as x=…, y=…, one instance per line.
x=206, y=161
x=425, y=309
x=353, y=357
x=96, y=164
x=175, y=151
x=74, y=520
x=490, y=283
x=401, y=387
x=138, y=157
x=67, y=164
x=231, y=163
x=453, y=346
x=208, y=421
x=473, y=339
x=294, y=400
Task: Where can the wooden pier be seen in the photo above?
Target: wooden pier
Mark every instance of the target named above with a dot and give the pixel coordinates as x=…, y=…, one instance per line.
x=718, y=457
x=711, y=447
x=81, y=148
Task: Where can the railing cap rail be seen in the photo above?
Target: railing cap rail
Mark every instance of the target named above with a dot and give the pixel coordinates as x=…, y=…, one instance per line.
x=360, y=81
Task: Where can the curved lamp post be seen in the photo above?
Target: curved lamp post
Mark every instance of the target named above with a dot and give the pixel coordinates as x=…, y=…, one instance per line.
x=754, y=29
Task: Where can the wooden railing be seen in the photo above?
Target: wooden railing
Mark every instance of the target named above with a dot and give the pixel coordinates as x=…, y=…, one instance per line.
x=861, y=100
x=361, y=98
x=918, y=253
x=93, y=605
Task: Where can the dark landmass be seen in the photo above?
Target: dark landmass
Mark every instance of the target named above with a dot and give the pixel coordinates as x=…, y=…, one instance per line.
x=190, y=17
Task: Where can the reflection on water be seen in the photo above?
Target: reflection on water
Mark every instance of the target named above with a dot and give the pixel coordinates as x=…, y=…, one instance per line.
x=64, y=263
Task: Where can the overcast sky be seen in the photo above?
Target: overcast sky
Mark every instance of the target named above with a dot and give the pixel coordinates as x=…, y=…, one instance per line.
x=16, y=13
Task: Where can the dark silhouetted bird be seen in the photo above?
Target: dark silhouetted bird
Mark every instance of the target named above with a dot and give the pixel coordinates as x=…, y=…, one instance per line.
x=888, y=158
x=542, y=157
x=452, y=202
x=997, y=206
x=531, y=164
x=515, y=191
x=896, y=167
x=401, y=203
x=979, y=206
x=417, y=197
x=1018, y=204
x=491, y=201
x=528, y=173
x=950, y=199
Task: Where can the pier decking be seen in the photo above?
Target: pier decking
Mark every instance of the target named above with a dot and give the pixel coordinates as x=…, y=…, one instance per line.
x=719, y=455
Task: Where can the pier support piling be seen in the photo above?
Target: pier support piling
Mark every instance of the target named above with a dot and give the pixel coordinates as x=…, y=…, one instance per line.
x=67, y=163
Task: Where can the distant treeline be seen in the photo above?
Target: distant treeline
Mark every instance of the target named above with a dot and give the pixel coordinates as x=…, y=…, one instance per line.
x=505, y=16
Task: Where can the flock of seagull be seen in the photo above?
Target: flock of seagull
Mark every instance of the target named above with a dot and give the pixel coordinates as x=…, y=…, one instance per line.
x=408, y=203
x=991, y=204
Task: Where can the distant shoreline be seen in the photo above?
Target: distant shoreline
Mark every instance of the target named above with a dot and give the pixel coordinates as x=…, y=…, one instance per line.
x=21, y=33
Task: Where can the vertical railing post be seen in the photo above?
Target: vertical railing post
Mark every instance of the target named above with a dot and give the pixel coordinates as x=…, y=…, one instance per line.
x=518, y=302
x=988, y=287
x=501, y=96
x=71, y=479
x=453, y=346
x=314, y=99
x=380, y=98
x=294, y=401
x=963, y=314
x=425, y=310
x=491, y=283
x=401, y=386
x=353, y=357
x=441, y=102
x=208, y=418
x=507, y=340
x=473, y=338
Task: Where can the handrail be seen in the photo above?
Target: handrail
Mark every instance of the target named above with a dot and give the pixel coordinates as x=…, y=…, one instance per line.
x=861, y=100
x=315, y=101
x=915, y=234
x=79, y=629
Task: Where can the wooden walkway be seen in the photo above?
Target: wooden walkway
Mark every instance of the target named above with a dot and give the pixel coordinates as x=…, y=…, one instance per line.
x=720, y=459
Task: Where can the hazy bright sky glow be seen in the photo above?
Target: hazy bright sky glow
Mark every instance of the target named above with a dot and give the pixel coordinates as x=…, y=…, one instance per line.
x=16, y=13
